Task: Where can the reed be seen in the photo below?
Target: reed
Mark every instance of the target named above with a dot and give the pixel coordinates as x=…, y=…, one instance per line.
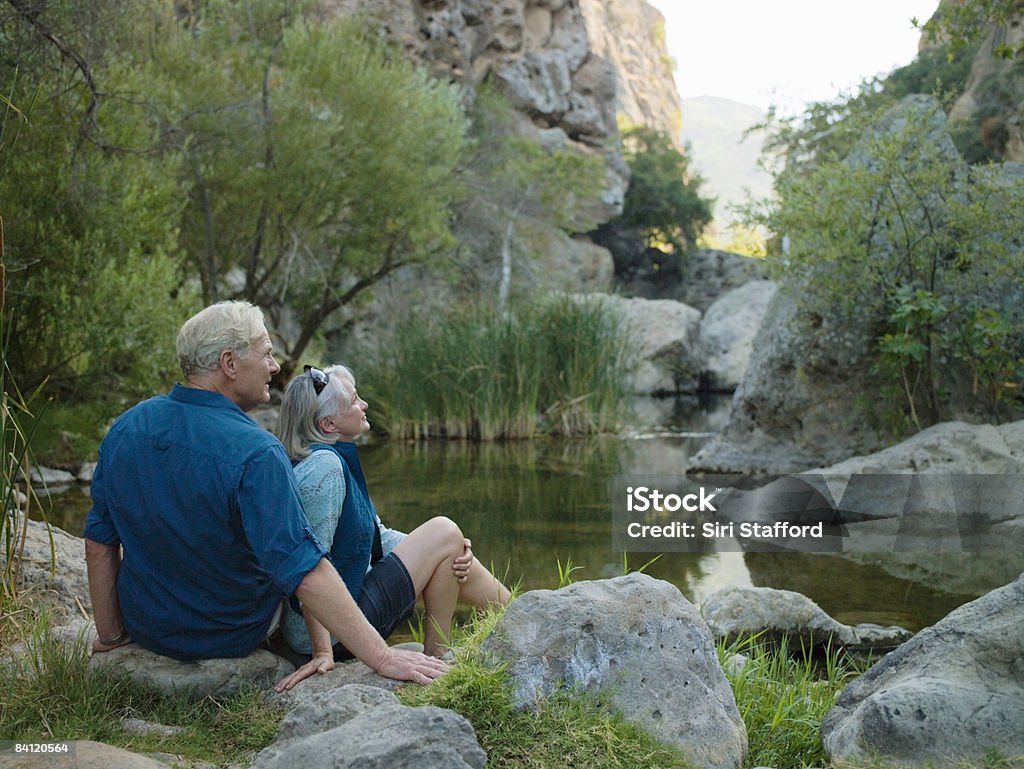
x=556, y=365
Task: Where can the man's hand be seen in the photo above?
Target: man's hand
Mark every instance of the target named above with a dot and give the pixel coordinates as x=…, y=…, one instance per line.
x=461, y=564
x=405, y=665
x=319, y=664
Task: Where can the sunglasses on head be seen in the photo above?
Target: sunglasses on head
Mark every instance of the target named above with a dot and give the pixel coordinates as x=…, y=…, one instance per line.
x=320, y=379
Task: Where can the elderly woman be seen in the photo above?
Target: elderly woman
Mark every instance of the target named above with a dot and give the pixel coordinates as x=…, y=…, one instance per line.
x=385, y=570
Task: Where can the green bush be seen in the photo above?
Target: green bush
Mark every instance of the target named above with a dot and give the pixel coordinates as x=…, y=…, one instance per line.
x=905, y=239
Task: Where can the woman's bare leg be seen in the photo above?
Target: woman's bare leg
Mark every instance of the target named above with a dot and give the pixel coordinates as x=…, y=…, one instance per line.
x=482, y=589
x=428, y=553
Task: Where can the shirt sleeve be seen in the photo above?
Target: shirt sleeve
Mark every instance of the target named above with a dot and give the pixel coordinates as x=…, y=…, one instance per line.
x=99, y=526
x=274, y=521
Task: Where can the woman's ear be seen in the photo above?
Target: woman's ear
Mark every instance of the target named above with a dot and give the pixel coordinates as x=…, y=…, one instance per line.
x=326, y=424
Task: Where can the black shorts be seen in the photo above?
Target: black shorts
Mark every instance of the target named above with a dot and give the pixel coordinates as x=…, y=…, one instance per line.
x=387, y=598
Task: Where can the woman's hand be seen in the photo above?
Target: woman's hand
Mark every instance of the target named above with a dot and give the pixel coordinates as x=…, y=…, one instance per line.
x=320, y=663
x=461, y=564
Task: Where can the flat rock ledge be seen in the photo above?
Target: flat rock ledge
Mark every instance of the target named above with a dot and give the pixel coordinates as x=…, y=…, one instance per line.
x=777, y=616
x=636, y=640
x=952, y=693
x=199, y=679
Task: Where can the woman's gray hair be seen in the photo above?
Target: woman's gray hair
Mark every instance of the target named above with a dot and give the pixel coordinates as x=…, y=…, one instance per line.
x=234, y=325
x=298, y=424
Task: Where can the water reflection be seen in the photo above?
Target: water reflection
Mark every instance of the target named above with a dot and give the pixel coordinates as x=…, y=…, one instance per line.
x=529, y=504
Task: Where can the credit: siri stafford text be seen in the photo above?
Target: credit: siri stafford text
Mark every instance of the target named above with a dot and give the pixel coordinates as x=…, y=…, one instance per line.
x=748, y=530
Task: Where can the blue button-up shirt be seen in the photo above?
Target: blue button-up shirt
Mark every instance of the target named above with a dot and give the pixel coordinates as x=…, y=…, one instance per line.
x=206, y=508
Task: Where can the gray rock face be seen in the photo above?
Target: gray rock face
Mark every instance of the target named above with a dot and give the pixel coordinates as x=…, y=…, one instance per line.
x=708, y=274
x=203, y=678
x=953, y=692
x=389, y=736
x=639, y=641
x=773, y=615
x=728, y=328
x=668, y=344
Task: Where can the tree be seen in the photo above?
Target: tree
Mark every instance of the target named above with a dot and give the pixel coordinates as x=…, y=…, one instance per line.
x=93, y=294
x=317, y=160
x=905, y=237
x=663, y=201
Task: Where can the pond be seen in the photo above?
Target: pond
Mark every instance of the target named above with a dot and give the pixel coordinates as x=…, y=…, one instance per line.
x=530, y=505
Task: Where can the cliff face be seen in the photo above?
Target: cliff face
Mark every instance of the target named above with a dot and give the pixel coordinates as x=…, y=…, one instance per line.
x=569, y=66
x=631, y=35
x=993, y=100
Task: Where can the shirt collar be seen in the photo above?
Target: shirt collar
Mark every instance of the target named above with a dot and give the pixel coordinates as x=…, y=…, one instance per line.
x=198, y=397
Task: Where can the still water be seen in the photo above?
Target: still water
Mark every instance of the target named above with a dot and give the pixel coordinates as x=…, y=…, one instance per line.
x=528, y=505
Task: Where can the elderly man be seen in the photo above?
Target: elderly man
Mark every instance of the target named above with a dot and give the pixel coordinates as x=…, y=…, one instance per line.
x=196, y=529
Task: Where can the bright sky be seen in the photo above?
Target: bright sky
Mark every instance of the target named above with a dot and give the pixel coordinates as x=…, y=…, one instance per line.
x=787, y=52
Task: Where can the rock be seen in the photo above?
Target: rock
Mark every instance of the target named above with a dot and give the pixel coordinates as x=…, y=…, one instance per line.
x=625, y=33
x=50, y=477
x=667, y=346
x=736, y=613
x=949, y=447
x=85, y=472
x=66, y=590
x=636, y=640
x=953, y=692
x=708, y=274
x=792, y=410
x=81, y=754
x=344, y=674
x=571, y=264
x=202, y=678
x=728, y=329
x=390, y=736
x=139, y=726
x=325, y=710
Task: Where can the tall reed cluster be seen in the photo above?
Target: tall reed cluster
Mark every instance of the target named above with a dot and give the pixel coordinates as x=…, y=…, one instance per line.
x=17, y=427
x=556, y=365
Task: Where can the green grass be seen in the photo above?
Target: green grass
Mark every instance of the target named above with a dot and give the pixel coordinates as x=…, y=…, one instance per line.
x=556, y=365
x=50, y=693
x=783, y=698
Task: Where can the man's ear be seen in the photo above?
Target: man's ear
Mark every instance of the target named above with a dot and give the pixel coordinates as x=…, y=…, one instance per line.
x=229, y=363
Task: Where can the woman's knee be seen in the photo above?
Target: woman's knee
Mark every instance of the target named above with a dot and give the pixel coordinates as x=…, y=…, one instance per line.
x=447, y=531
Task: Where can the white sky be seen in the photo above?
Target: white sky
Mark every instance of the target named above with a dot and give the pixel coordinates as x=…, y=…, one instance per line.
x=787, y=52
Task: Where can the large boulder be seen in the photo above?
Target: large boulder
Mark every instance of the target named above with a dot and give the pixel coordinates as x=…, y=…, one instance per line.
x=667, y=344
x=728, y=329
x=639, y=642
x=383, y=736
x=955, y=691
